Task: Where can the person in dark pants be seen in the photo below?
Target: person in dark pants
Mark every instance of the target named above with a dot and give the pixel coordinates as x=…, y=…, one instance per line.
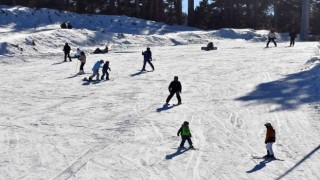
x=271, y=37
x=175, y=88
x=292, y=36
x=105, y=69
x=67, y=50
x=82, y=59
x=185, y=135
x=147, y=58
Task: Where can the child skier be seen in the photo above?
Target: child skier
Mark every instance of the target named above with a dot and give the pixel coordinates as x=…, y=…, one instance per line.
x=185, y=135
x=270, y=139
x=105, y=69
x=82, y=59
x=95, y=70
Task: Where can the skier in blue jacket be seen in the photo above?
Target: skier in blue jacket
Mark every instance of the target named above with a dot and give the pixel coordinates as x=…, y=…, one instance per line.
x=95, y=70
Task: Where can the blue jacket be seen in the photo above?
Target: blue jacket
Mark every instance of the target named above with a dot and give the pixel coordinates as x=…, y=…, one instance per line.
x=96, y=66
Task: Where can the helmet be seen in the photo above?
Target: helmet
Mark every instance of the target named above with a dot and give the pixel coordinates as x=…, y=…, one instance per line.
x=268, y=124
x=101, y=61
x=186, y=123
x=175, y=77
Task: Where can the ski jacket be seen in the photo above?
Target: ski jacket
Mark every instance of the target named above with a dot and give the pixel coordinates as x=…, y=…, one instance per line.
x=272, y=35
x=147, y=55
x=78, y=54
x=175, y=86
x=184, y=131
x=66, y=49
x=293, y=35
x=96, y=66
x=106, y=67
x=271, y=135
x=83, y=58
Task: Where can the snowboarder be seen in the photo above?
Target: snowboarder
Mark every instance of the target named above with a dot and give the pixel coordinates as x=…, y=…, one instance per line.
x=105, y=69
x=271, y=37
x=270, y=139
x=292, y=36
x=82, y=59
x=175, y=88
x=185, y=133
x=67, y=50
x=147, y=58
x=95, y=70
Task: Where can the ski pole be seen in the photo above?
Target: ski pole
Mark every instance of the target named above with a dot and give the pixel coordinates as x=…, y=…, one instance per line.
x=76, y=66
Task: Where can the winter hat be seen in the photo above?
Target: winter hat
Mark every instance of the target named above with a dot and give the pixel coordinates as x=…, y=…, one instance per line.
x=176, y=77
x=101, y=61
x=186, y=123
x=268, y=124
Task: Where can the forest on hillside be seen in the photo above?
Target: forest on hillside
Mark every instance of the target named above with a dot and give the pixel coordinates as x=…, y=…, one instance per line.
x=282, y=15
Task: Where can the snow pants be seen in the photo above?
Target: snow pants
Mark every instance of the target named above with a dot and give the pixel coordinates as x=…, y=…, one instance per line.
x=81, y=66
x=144, y=64
x=171, y=95
x=274, y=42
x=269, y=148
x=183, y=140
x=67, y=55
x=292, y=41
x=95, y=73
x=105, y=73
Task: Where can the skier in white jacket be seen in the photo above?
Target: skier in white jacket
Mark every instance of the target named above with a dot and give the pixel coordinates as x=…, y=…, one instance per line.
x=271, y=37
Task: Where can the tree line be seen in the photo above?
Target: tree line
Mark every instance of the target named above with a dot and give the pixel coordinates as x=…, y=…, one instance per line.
x=281, y=15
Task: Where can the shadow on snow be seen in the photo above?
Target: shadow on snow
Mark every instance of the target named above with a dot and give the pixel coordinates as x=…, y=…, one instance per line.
x=289, y=92
x=177, y=153
x=164, y=108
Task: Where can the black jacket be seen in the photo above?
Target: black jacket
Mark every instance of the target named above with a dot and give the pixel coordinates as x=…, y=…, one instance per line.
x=66, y=49
x=175, y=86
x=105, y=67
x=292, y=35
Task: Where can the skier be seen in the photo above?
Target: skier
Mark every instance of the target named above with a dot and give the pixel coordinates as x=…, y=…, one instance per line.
x=185, y=135
x=66, y=50
x=271, y=37
x=105, y=69
x=95, y=70
x=78, y=53
x=147, y=58
x=293, y=36
x=174, y=88
x=82, y=59
x=270, y=139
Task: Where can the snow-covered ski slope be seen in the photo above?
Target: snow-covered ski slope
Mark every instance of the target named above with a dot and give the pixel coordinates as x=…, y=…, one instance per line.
x=55, y=126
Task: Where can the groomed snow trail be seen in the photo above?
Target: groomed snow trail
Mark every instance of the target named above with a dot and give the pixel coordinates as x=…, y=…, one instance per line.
x=55, y=126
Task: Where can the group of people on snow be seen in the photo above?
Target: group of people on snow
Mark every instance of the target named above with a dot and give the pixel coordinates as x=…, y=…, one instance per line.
x=272, y=37
x=175, y=88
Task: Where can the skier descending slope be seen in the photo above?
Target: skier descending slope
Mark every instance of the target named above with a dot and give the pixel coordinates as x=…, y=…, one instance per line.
x=270, y=139
x=175, y=88
x=147, y=58
x=271, y=37
x=185, y=135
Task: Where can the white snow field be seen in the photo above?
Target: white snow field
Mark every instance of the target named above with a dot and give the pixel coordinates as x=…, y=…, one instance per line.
x=55, y=126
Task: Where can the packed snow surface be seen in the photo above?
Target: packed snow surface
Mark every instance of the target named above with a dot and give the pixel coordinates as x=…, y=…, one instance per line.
x=56, y=126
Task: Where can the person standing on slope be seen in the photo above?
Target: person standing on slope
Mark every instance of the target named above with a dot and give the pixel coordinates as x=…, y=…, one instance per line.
x=271, y=37
x=292, y=36
x=105, y=69
x=82, y=59
x=67, y=50
x=95, y=70
x=185, y=133
x=270, y=139
x=147, y=58
x=174, y=88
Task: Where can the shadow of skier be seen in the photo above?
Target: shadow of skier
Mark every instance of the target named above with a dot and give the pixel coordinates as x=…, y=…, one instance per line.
x=259, y=166
x=164, y=108
x=177, y=153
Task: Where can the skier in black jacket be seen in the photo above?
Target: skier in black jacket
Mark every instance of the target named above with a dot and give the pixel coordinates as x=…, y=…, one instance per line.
x=175, y=88
x=67, y=50
x=293, y=36
x=147, y=58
